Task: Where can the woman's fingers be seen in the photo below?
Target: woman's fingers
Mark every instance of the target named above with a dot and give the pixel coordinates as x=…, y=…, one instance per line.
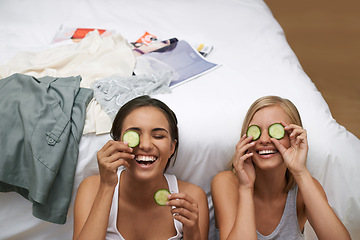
x=278, y=145
x=113, y=166
x=244, y=144
x=239, y=163
x=110, y=157
x=185, y=208
x=114, y=147
x=242, y=150
x=297, y=134
x=242, y=161
x=295, y=155
x=180, y=199
x=244, y=140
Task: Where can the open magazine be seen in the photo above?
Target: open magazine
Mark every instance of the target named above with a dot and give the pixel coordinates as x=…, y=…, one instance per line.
x=179, y=57
x=149, y=39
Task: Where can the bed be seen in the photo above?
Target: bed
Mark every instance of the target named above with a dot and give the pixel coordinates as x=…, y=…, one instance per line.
x=254, y=60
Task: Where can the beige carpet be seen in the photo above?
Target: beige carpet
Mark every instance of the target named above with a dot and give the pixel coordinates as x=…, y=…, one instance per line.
x=325, y=35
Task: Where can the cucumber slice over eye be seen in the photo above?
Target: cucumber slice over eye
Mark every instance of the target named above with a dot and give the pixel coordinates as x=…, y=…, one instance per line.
x=161, y=196
x=132, y=138
x=254, y=131
x=277, y=131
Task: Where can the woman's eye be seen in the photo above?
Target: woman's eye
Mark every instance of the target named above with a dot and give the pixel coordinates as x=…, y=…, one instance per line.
x=158, y=136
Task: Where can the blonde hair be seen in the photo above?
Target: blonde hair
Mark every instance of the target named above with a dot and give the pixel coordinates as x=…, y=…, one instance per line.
x=291, y=111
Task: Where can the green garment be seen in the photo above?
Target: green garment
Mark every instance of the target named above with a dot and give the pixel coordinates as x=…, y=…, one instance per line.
x=41, y=123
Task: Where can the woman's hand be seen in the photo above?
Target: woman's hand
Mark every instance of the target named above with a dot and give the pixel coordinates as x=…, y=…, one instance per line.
x=186, y=210
x=110, y=157
x=294, y=156
x=243, y=164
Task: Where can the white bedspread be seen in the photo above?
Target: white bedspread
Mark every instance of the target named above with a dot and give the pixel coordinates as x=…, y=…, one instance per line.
x=255, y=61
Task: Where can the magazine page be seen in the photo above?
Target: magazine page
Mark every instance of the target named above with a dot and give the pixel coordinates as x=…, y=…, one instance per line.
x=179, y=57
x=76, y=34
x=148, y=39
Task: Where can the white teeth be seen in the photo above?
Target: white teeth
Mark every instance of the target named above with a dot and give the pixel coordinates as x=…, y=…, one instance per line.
x=146, y=158
x=263, y=152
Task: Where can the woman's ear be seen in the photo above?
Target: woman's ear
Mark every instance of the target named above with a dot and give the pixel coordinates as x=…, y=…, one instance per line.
x=172, y=147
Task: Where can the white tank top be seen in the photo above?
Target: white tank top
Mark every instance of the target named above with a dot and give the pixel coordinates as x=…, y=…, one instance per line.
x=112, y=231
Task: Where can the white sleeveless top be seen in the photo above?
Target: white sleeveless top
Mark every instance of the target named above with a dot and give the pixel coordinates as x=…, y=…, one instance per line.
x=112, y=231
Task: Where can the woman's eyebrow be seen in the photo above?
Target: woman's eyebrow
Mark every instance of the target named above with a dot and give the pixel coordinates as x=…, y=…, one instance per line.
x=153, y=130
x=159, y=129
x=136, y=129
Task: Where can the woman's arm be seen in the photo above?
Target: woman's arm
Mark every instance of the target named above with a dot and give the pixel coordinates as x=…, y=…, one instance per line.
x=234, y=208
x=233, y=195
x=94, y=196
x=318, y=211
x=191, y=210
x=92, y=209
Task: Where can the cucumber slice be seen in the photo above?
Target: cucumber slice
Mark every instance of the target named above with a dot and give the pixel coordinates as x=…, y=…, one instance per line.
x=277, y=131
x=161, y=196
x=254, y=131
x=132, y=138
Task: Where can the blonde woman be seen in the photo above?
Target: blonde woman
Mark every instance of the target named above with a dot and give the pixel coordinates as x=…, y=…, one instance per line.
x=270, y=194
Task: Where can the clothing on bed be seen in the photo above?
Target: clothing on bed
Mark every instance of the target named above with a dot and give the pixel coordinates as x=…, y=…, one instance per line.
x=93, y=58
x=114, y=91
x=41, y=126
x=112, y=231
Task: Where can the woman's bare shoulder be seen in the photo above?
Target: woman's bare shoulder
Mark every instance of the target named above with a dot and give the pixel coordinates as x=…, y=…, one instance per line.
x=95, y=179
x=190, y=188
x=195, y=192
x=89, y=184
x=225, y=177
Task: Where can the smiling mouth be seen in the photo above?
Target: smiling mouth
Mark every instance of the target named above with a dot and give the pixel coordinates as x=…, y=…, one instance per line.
x=267, y=152
x=145, y=160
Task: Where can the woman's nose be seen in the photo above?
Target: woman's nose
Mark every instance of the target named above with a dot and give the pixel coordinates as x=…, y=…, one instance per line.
x=145, y=142
x=264, y=137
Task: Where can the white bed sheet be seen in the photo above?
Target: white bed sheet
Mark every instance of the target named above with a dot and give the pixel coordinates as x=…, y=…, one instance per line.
x=255, y=61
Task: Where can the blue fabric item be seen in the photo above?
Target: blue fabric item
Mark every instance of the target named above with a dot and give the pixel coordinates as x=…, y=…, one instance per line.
x=41, y=125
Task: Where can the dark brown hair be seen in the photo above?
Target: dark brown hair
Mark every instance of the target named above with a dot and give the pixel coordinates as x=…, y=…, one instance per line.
x=144, y=101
